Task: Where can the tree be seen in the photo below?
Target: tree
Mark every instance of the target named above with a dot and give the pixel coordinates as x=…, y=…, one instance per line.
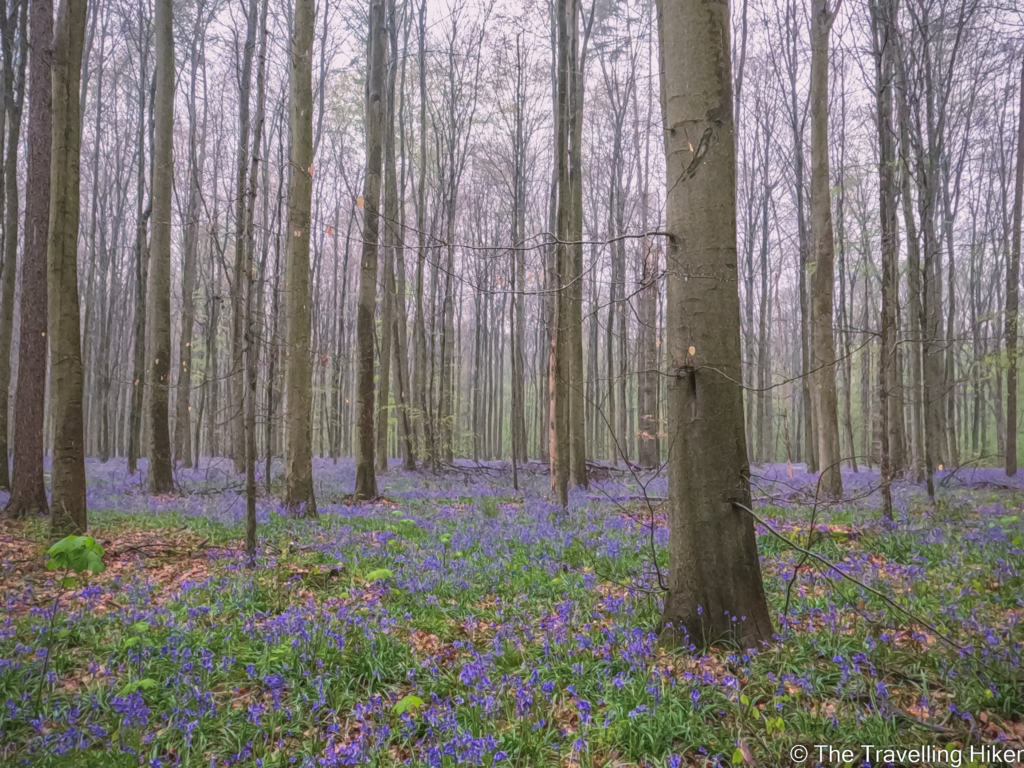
x=366, y=478
x=823, y=354
x=143, y=214
x=196, y=162
x=14, y=102
x=1013, y=296
x=882, y=20
x=240, y=279
x=394, y=239
x=68, y=508
x=158, y=321
x=252, y=290
x=715, y=589
x=28, y=493
x=299, y=498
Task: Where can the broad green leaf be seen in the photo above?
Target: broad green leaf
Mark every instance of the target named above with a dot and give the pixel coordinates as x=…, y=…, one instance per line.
x=408, y=703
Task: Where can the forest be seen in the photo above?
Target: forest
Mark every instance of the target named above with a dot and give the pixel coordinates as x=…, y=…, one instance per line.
x=554, y=383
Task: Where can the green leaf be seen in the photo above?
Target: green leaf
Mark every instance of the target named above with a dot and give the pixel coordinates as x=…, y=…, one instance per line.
x=76, y=553
x=737, y=757
x=66, y=544
x=378, y=574
x=146, y=684
x=408, y=703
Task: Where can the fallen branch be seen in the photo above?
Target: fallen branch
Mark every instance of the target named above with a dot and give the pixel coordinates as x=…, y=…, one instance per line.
x=828, y=564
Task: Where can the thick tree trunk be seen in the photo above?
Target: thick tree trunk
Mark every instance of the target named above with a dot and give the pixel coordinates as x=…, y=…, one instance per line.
x=299, y=498
x=823, y=269
x=366, y=479
x=68, y=508
x=14, y=90
x=161, y=479
x=28, y=493
x=715, y=589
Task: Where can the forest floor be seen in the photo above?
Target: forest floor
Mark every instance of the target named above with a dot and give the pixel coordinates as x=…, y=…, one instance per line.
x=461, y=622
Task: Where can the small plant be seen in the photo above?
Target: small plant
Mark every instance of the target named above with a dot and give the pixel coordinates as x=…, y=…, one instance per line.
x=75, y=553
x=488, y=506
x=72, y=555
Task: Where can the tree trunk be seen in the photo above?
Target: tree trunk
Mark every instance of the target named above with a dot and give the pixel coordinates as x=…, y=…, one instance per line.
x=161, y=479
x=28, y=493
x=891, y=463
x=68, y=508
x=1012, y=297
x=299, y=498
x=196, y=157
x=573, y=273
x=252, y=292
x=715, y=589
x=143, y=213
x=913, y=276
x=366, y=480
x=823, y=269
x=239, y=280
x=14, y=89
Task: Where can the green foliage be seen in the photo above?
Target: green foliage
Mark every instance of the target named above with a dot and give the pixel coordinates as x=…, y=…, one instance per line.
x=408, y=703
x=319, y=623
x=488, y=506
x=75, y=553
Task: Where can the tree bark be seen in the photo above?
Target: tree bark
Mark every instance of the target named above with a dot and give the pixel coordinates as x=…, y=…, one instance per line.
x=299, y=498
x=823, y=269
x=1013, y=297
x=161, y=478
x=366, y=479
x=14, y=90
x=68, y=508
x=28, y=493
x=196, y=158
x=143, y=213
x=891, y=459
x=715, y=589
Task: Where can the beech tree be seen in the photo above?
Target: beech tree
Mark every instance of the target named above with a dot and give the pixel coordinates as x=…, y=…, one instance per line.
x=28, y=493
x=517, y=307
x=13, y=29
x=823, y=265
x=158, y=321
x=68, y=507
x=376, y=46
x=715, y=590
x=299, y=497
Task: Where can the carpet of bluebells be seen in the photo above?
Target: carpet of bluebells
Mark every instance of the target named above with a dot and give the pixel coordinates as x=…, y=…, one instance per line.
x=458, y=621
